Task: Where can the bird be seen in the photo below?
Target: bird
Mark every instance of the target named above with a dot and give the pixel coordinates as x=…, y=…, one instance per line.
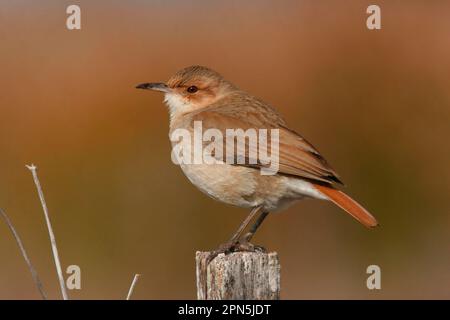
x=200, y=94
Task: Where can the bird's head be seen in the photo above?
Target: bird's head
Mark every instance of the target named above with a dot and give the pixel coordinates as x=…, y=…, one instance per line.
x=191, y=89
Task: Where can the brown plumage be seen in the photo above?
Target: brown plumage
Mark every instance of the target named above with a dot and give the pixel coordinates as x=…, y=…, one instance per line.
x=240, y=110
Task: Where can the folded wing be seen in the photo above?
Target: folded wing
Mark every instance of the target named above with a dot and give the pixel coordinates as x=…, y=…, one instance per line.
x=297, y=157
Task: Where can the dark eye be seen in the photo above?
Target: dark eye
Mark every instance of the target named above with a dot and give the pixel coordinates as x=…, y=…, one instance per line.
x=192, y=89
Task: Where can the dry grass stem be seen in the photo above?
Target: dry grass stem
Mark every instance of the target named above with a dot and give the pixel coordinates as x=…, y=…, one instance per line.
x=62, y=284
x=34, y=274
x=133, y=284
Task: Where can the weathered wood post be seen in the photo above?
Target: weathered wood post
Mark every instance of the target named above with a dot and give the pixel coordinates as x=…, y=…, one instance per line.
x=238, y=276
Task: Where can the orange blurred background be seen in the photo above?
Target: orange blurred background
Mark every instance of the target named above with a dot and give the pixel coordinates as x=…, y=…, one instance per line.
x=375, y=103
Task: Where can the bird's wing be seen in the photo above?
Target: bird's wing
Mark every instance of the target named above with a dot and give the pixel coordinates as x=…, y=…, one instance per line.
x=297, y=157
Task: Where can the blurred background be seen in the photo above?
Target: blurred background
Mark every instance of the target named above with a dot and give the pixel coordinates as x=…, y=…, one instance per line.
x=375, y=103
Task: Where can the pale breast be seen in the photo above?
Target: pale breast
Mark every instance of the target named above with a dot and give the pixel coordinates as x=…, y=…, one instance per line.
x=235, y=185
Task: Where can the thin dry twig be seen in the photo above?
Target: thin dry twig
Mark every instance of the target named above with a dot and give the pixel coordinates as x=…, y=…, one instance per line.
x=34, y=274
x=133, y=284
x=62, y=284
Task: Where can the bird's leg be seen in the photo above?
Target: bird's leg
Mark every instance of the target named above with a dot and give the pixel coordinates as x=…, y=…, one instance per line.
x=233, y=244
x=244, y=224
x=245, y=240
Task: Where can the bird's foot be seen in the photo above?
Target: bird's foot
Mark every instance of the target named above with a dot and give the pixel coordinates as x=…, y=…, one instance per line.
x=244, y=245
x=241, y=245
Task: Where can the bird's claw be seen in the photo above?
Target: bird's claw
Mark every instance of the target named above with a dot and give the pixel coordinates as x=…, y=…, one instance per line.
x=241, y=245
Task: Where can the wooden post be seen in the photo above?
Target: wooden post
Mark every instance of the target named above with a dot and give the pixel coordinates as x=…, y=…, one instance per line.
x=238, y=276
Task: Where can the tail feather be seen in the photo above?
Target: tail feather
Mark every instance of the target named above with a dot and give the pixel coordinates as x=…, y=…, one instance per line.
x=349, y=205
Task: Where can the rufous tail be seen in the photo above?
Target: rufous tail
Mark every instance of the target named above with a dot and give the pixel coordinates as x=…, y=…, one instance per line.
x=348, y=204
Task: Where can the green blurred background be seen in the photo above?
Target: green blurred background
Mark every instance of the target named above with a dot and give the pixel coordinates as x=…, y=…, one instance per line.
x=375, y=103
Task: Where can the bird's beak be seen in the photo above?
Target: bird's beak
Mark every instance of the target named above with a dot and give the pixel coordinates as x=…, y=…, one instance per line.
x=154, y=86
